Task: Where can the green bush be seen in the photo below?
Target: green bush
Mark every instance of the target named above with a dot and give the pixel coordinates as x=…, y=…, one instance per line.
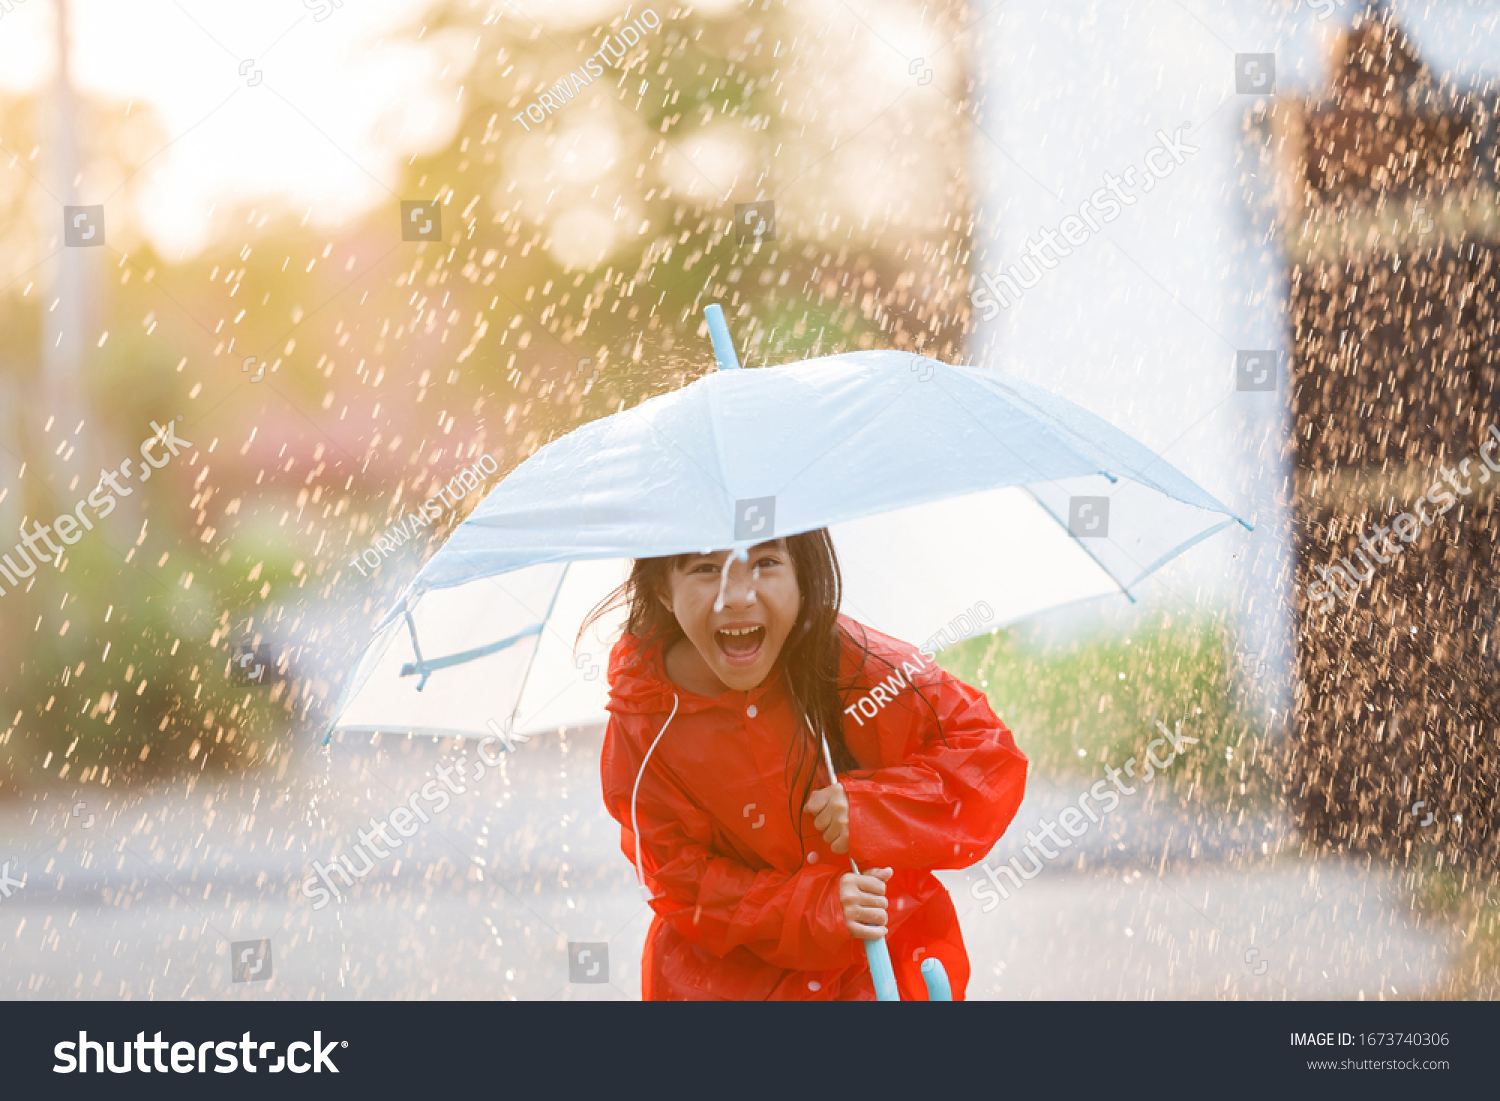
x=1076, y=706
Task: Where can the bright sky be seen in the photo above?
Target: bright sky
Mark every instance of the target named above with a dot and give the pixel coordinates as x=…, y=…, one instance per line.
x=322, y=132
x=344, y=94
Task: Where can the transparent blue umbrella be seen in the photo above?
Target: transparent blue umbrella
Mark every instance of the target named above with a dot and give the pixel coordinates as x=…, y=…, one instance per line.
x=959, y=500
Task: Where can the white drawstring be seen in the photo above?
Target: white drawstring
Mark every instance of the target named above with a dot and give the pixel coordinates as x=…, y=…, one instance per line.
x=634, y=828
x=833, y=778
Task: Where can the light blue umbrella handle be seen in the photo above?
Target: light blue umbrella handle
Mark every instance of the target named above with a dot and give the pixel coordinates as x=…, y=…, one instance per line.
x=875, y=950
x=936, y=979
x=881, y=971
x=718, y=332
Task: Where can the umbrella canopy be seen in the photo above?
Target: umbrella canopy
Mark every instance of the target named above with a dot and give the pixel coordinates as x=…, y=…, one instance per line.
x=958, y=499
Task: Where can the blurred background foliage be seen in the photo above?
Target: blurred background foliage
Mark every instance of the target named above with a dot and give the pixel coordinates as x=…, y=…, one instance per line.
x=389, y=365
x=1078, y=705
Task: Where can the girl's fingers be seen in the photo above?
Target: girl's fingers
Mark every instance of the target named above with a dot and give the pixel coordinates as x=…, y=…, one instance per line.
x=822, y=802
x=821, y=798
x=865, y=932
x=871, y=884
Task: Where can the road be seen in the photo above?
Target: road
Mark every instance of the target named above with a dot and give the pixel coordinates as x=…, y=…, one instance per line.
x=141, y=895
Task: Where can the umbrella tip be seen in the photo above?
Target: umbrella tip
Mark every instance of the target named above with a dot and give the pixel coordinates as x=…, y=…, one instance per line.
x=718, y=332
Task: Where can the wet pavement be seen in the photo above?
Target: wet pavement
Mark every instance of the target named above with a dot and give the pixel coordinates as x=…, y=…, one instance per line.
x=155, y=893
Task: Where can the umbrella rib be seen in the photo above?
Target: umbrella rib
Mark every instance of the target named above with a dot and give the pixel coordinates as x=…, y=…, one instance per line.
x=1161, y=457
x=678, y=446
x=1044, y=420
x=1137, y=476
x=552, y=605
x=1147, y=571
x=428, y=666
x=714, y=437
x=838, y=443
x=1107, y=571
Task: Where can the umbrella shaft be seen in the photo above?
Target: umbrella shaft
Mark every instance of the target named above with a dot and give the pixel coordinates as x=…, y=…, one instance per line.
x=876, y=951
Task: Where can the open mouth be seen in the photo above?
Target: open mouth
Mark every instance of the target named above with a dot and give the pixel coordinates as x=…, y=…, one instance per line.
x=740, y=645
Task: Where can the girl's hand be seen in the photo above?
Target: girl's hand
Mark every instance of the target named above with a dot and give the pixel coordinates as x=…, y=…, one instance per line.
x=831, y=808
x=863, y=899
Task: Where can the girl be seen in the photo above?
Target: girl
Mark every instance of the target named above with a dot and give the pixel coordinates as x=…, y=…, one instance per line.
x=721, y=691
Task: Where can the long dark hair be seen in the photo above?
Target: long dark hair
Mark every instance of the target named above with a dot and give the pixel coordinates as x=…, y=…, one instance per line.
x=808, y=662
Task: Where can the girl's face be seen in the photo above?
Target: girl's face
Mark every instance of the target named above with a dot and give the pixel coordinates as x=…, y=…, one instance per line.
x=740, y=642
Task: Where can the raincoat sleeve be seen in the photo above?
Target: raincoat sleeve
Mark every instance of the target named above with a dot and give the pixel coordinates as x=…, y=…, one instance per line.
x=790, y=920
x=954, y=781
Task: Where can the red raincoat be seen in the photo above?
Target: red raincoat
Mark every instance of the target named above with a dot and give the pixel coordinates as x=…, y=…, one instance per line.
x=747, y=908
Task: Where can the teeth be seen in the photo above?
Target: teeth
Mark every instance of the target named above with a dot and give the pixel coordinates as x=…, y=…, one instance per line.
x=740, y=631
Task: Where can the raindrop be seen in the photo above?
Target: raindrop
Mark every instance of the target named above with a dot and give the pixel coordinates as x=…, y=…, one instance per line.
x=723, y=582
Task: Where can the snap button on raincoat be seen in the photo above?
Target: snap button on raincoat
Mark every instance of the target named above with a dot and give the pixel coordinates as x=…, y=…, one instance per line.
x=747, y=902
